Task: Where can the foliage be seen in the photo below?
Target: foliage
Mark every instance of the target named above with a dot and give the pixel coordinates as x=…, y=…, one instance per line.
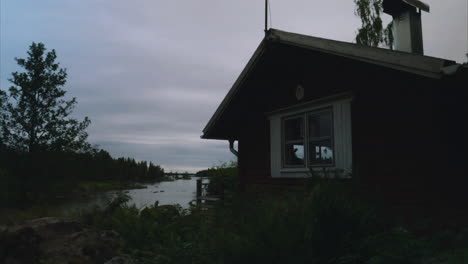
x=35, y=117
x=291, y=228
x=103, y=186
x=326, y=225
x=223, y=178
x=27, y=179
x=156, y=234
x=372, y=32
x=43, y=151
x=388, y=36
x=15, y=216
x=3, y=117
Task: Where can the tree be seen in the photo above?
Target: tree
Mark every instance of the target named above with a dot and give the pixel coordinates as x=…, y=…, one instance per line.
x=372, y=32
x=34, y=114
x=3, y=115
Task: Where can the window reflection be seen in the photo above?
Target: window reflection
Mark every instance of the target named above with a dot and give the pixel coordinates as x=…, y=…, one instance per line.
x=294, y=141
x=320, y=152
x=294, y=154
x=319, y=136
x=311, y=141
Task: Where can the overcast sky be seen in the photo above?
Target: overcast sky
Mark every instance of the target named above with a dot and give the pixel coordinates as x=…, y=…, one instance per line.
x=149, y=74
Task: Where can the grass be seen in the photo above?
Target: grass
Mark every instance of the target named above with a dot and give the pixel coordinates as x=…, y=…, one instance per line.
x=94, y=186
x=57, y=206
x=330, y=223
x=325, y=225
x=12, y=216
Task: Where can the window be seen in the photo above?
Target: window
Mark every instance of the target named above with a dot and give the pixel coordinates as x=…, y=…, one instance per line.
x=311, y=135
x=320, y=138
x=294, y=142
x=309, y=142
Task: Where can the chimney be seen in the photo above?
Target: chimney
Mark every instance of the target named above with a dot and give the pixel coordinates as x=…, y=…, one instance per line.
x=407, y=28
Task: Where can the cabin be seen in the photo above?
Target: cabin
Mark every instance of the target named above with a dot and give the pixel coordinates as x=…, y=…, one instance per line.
x=392, y=120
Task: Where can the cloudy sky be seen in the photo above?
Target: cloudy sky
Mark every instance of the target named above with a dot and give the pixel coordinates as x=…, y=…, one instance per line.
x=150, y=73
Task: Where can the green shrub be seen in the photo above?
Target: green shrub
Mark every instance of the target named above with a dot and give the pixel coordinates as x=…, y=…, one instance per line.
x=9, y=186
x=156, y=234
x=327, y=225
x=222, y=178
x=319, y=228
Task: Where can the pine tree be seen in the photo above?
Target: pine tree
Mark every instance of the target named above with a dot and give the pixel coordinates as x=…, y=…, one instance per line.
x=3, y=116
x=35, y=116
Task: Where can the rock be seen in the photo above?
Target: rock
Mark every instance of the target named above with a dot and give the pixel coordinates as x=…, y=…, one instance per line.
x=54, y=240
x=19, y=246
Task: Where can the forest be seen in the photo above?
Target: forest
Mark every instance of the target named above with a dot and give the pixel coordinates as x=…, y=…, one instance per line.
x=44, y=151
x=40, y=177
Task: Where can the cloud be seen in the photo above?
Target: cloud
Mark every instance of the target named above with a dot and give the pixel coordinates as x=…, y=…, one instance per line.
x=150, y=74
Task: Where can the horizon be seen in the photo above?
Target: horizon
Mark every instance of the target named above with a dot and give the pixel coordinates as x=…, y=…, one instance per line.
x=150, y=76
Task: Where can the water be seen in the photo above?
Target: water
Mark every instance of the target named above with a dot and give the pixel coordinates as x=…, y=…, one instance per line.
x=176, y=192
x=180, y=192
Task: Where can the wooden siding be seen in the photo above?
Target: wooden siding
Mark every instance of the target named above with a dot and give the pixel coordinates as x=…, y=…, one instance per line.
x=407, y=135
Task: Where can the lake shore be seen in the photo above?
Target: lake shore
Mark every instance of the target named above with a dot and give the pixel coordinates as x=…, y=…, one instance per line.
x=90, y=194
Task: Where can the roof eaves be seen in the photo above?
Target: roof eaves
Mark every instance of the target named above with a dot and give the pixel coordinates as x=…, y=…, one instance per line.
x=235, y=87
x=417, y=64
x=413, y=63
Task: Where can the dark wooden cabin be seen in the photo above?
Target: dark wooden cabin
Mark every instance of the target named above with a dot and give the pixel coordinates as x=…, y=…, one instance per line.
x=391, y=120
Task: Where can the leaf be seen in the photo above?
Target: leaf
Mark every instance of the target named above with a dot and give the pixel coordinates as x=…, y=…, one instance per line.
x=34, y=115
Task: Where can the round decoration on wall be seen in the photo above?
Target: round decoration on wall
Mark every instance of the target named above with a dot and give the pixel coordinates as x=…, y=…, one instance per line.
x=299, y=92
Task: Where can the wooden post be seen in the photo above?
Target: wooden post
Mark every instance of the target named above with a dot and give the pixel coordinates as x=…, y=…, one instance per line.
x=199, y=191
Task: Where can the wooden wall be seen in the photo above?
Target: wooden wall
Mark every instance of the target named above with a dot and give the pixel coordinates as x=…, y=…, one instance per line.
x=409, y=132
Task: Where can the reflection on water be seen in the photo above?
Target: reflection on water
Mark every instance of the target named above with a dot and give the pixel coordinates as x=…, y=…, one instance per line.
x=175, y=192
x=172, y=192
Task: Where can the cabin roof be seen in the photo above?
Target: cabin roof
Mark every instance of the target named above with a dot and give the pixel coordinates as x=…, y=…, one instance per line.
x=426, y=66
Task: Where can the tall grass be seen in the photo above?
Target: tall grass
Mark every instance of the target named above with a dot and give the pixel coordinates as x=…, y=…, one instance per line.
x=325, y=225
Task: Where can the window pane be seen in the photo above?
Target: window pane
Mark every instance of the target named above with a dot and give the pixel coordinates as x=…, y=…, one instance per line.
x=294, y=129
x=294, y=154
x=320, y=152
x=320, y=125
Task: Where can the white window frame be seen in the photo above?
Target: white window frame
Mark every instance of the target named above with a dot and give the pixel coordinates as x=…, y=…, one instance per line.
x=340, y=105
x=284, y=142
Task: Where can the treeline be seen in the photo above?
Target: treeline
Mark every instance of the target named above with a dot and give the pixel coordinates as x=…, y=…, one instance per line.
x=128, y=169
x=171, y=173
x=27, y=177
x=44, y=152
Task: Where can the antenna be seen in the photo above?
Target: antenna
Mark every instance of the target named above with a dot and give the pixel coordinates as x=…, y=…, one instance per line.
x=266, y=16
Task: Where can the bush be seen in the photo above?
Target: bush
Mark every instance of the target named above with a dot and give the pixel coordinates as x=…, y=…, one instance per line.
x=156, y=234
x=327, y=225
x=223, y=178
x=8, y=186
x=321, y=227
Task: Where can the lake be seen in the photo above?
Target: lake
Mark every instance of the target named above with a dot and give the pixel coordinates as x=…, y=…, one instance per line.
x=168, y=192
x=181, y=192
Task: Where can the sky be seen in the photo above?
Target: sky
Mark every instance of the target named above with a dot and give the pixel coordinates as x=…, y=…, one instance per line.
x=150, y=73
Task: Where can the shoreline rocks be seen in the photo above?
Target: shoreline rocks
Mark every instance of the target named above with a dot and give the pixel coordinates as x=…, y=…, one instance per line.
x=56, y=240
